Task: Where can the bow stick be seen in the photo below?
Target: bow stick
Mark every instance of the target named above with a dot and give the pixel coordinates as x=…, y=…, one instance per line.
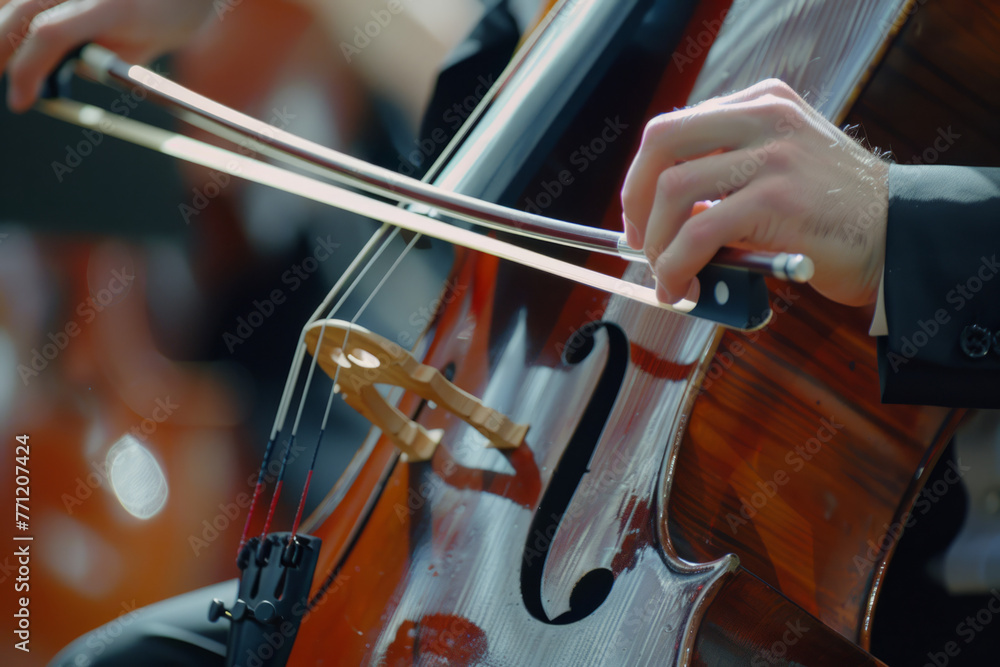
x=102, y=65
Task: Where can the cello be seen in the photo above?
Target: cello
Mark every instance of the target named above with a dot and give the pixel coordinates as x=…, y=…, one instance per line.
x=586, y=543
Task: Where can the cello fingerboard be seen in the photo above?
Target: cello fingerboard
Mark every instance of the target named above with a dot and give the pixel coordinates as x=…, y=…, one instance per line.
x=824, y=49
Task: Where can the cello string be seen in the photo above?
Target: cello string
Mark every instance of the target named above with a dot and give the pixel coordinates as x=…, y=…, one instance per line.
x=333, y=311
x=231, y=163
x=432, y=172
x=312, y=462
x=362, y=256
x=286, y=396
x=276, y=494
x=220, y=120
x=361, y=309
x=336, y=376
x=428, y=177
x=293, y=373
x=312, y=367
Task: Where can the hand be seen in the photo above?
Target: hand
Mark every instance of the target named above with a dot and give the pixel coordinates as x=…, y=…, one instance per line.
x=788, y=180
x=39, y=33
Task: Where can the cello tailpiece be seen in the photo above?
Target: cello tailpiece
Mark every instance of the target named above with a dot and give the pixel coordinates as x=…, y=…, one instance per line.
x=276, y=574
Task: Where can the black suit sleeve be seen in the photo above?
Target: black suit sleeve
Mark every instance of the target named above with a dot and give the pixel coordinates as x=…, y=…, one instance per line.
x=942, y=288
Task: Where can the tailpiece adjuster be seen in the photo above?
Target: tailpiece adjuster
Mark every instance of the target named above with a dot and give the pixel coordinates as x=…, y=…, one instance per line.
x=273, y=596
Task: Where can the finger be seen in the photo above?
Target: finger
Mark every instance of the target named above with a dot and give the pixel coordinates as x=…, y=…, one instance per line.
x=53, y=34
x=677, y=191
x=700, y=238
x=797, y=111
x=15, y=19
x=632, y=237
x=680, y=136
x=775, y=87
x=693, y=293
x=695, y=210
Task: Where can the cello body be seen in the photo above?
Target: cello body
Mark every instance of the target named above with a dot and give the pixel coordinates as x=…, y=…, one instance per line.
x=684, y=495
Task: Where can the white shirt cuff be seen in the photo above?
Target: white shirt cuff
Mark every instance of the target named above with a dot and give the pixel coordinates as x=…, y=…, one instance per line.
x=880, y=327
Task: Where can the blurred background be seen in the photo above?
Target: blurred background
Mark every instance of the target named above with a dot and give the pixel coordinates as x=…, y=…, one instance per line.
x=149, y=310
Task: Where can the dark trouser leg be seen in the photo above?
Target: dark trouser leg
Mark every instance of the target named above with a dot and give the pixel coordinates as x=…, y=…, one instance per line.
x=172, y=633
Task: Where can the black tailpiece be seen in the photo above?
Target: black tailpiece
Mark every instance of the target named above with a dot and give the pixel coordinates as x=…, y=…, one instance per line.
x=272, y=599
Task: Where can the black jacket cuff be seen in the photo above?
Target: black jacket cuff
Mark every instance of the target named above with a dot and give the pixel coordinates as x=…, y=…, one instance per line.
x=942, y=277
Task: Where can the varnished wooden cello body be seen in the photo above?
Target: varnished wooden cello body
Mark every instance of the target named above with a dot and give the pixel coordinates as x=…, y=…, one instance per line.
x=567, y=549
x=608, y=540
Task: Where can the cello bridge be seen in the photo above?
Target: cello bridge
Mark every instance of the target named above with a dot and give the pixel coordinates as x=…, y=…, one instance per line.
x=358, y=360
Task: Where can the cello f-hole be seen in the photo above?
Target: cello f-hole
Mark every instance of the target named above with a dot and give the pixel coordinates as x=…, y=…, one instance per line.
x=595, y=586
